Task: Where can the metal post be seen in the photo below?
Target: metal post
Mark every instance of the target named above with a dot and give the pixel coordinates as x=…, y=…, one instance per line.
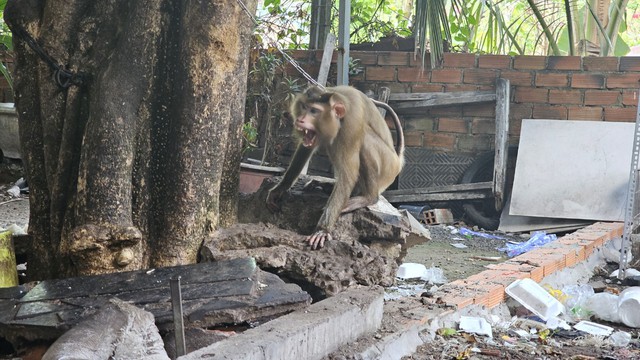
x=178, y=322
x=631, y=211
x=343, y=41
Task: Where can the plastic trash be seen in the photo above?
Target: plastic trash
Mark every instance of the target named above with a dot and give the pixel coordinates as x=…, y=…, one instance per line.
x=620, y=338
x=604, y=306
x=535, y=298
x=538, y=239
x=468, y=233
x=611, y=251
x=629, y=307
x=475, y=325
x=411, y=271
x=575, y=297
x=14, y=191
x=434, y=275
x=593, y=328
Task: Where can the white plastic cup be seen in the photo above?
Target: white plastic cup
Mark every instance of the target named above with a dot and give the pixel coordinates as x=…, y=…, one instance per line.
x=629, y=307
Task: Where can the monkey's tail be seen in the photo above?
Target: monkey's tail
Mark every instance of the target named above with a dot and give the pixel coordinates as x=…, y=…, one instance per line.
x=396, y=120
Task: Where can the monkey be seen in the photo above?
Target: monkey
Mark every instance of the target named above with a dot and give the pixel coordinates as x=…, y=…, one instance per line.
x=346, y=124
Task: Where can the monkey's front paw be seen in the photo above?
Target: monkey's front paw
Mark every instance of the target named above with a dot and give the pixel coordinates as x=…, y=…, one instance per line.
x=317, y=239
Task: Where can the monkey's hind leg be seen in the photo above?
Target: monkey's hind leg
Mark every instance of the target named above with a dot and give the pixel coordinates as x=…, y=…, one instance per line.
x=358, y=202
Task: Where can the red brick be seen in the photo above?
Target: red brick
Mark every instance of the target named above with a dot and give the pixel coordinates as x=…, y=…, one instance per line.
x=479, y=76
x=419, y=123
x=365, y=57
x=458, y=60
x=630, y=97
x=626, y=114
x=479, y=110
x=483, y=126
x=529, y=62
x=393, y=58
x=564, y=63
x=387, y=73
x=518, y=78
x=629, y=80
x=452, y=125
x=494, y=61
x=585, y=113
x=565, y=96
x=515, y=126
x=475, y=143
x=549, y=112
x=414, y=138
x=416, y=60
x=425, y=88
x=318, y=54
x=440, y=141
x=597, y=97
x=531, y=95
x=552, y=79
x=588, y=81
x=413, y=74
x=630, y=63
x=520, y=111
x=301, y=54
x=596, y=63
x=451, y=76
x=459, y=87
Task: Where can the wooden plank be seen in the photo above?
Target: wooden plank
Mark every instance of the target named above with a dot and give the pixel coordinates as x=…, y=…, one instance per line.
x=325, y=64
x=450, y=99
x=383, y=96
x=236, y=269
x=441, y=189
x=450, y=196
x=501, y=142
x=441, y=95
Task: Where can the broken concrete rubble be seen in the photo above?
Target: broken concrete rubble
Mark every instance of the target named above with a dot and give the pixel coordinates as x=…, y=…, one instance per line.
x=118, y=330
x=336, y=267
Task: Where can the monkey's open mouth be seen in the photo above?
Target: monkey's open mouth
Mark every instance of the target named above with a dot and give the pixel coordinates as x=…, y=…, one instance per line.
x=308, y=137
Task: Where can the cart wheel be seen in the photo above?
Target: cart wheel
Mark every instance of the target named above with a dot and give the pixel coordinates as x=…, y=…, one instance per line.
x=483, y=212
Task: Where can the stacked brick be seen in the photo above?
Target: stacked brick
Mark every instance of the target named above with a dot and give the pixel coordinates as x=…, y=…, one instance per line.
x=554, y=87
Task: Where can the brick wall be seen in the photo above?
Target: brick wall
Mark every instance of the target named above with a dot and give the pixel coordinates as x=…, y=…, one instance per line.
x=562, y=87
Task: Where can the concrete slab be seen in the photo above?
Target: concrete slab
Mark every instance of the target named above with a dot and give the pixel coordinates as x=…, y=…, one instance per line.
x=307, y=334
x=572, y=169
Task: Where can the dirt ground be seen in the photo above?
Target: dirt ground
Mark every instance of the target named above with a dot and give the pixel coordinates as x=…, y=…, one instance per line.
x=456, y=263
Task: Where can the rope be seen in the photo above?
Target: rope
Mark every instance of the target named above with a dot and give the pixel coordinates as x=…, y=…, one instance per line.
x=286, y=56
x=64, y=78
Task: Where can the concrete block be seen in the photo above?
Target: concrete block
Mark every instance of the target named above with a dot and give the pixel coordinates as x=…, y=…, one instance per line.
x=306, y=334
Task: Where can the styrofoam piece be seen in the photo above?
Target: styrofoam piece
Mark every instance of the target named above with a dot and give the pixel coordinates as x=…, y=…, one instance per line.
x=475, y=325
x=593, y=328
x=627, y=273
x=535, y=298
x=411, y=271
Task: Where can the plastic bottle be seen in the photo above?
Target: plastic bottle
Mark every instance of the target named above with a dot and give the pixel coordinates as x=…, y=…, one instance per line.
x=629, y=307
x=604, y=306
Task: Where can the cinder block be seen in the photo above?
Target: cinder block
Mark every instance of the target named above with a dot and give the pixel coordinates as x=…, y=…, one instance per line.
x=438, y=216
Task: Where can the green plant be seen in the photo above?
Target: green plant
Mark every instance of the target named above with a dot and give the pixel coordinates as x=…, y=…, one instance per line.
x=249, y=135
x=6, y=43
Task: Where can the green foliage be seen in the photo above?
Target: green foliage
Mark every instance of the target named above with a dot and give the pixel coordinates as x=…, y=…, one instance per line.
x=6, y=43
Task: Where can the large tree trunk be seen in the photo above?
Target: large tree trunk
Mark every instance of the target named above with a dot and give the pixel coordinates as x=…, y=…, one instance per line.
x=133, y=166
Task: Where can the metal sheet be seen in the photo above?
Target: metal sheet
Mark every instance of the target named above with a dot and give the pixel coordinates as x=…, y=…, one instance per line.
x=572, y=169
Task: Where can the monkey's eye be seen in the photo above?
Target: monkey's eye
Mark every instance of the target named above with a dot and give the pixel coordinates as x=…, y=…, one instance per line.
x=314, y=111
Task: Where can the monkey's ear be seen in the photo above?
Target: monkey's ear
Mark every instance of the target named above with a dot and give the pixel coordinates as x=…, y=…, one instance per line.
x=339, y=109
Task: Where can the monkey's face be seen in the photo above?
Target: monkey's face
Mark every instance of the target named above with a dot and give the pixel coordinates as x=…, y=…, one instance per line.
x=305, y=123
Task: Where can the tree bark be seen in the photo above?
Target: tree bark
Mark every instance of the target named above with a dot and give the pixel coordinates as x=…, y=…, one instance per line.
x=133, y=167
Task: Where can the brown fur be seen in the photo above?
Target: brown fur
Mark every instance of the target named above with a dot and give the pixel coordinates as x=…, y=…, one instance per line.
x=348, y=126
